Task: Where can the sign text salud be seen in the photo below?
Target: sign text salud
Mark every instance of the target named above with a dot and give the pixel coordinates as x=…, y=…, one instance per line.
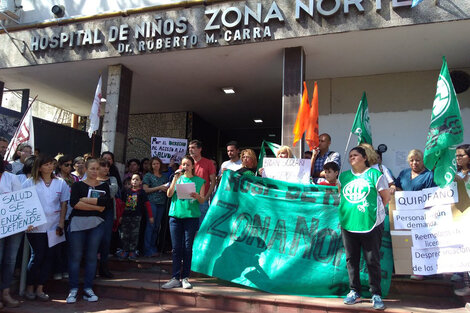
x=229, y=25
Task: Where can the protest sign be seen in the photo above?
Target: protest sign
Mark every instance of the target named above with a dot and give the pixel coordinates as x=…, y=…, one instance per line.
x=289, y=170
x=168, y=148
x=441, y=260
x=415, y=200
x=19, y=210
x=262, y=233
x=412, y=219
x=439, y=236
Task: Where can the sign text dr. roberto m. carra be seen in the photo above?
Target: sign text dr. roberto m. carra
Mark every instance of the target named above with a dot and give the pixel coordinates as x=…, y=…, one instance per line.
x=20, y=210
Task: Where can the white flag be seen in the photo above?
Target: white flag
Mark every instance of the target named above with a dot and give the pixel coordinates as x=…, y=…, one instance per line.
x=95, y=111
x=24, y=133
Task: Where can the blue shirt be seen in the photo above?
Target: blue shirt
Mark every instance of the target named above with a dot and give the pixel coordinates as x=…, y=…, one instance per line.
x=420, y=182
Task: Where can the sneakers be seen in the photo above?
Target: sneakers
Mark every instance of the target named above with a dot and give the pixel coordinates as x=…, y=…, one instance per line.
x=351, y=298
x=72, y=297
x=89, y=295
x=172, y=283
x=456, y=277
x=462, y=292
x=122, y=255
x=377, y=303
x=132, y=256
x=186, y=284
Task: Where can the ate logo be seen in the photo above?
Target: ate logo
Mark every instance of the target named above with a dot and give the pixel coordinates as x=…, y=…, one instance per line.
x=442, y=99
x=356, y=191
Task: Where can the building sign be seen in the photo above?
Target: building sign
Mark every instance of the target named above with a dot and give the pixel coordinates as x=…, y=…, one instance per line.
x=220, y=25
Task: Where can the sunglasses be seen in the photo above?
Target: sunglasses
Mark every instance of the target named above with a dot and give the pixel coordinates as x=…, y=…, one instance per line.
x=67, y=164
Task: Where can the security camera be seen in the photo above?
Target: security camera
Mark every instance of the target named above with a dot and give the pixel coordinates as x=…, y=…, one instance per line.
x=58, y=10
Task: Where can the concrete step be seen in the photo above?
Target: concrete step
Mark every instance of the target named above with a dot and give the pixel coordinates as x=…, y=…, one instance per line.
x=143, y=286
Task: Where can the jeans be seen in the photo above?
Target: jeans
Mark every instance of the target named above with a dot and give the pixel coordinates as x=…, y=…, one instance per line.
x=8, y=251
x=203, y=207
x=151, y=231
x=370, y=244
x=42, y=258
x=107, y=234
x=88, y=240
x=183, y=231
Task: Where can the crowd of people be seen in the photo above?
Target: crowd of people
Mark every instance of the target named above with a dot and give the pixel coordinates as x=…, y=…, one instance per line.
x=87, y=201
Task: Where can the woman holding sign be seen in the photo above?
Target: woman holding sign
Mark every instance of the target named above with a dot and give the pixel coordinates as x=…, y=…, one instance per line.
x=364, y=194
x=184, y=222
x=8, y=245
x=415, y=178
x=53, y=194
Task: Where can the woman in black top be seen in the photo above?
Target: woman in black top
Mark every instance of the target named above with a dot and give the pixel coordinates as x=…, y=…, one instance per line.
x=88, y=198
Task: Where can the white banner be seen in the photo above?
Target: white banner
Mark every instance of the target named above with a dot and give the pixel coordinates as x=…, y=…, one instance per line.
x=169, y=148
x=414, y=219
x=415, y=200
x=289, y=170
x=19, y=210
x=441, y=260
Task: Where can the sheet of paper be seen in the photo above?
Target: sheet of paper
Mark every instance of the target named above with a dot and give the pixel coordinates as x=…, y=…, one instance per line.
x=184, y=190
x=53, y=239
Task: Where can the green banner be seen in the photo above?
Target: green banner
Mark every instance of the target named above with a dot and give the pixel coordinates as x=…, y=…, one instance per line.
x=279, y=237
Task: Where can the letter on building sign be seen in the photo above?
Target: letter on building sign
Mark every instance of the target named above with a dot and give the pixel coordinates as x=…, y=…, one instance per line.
x=255, y=15
x=299, y=5
x=330, y=12
x=213, y=15
x=273, y=12
x=357, y=3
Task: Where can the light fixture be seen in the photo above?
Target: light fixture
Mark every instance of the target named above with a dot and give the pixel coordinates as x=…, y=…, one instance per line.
x=271, y=135
x=258, y=120
x=228, y=90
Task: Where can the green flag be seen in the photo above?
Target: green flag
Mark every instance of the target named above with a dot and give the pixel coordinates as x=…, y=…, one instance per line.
x=445, y=131
x=361, y=126
x=273, y=146
x=279, y=237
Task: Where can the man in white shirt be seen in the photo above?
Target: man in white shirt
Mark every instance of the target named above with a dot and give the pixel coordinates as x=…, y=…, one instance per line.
x=234, y=163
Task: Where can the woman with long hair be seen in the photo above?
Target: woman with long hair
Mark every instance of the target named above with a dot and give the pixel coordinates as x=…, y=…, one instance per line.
x=8, y=245
x=249, y=163
x=184, y=222
x=155, y=185
x=53, y=194
x=364, y=194
x=79, y=167
x=23, y=151
x=88, y=198
x=113, y=170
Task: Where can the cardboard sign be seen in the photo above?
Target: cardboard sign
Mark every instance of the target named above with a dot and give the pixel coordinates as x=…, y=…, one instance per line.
x=416, y=200
x=19, y=210
x=168, y=148
x=288, y=170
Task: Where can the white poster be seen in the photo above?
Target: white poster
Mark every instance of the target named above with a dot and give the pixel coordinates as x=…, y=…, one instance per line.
x=425, y=218
x=415, y=200
x=441, y=260
x=289, y=170
x=440, y=236
x=168, y=148
x=19, y=210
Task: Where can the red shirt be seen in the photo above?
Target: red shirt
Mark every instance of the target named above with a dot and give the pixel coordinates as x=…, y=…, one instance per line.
x=204, y=169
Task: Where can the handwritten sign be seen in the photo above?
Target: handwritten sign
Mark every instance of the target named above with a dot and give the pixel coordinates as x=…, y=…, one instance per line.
x=440, y=236
x=415, y=200
x=425, y=218
x=19, y=210
x=288, y=170
x=168, y=148
x=441, y=260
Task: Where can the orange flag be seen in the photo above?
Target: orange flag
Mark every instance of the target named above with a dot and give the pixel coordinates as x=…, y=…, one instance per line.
x=302, y=117
x=312, y=126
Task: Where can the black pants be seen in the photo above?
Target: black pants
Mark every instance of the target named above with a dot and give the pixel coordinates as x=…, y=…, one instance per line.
x=370, y=243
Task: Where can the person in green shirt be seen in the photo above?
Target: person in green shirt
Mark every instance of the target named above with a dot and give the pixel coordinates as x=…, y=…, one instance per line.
x=364, y=194
x=184, y=222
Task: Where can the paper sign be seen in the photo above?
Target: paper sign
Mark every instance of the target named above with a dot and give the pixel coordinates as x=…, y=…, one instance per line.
x=415, y=200
x=441, y=236
x=413, y=219
x=19, y=210
x=288, y=170
x=183, y=191
x=53, y=239
x=168, y=148
x=441, y=260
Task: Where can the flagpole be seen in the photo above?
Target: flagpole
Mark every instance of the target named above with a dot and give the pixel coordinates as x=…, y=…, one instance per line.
x=93, y=145
x=345, y=151
x=19, y=125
